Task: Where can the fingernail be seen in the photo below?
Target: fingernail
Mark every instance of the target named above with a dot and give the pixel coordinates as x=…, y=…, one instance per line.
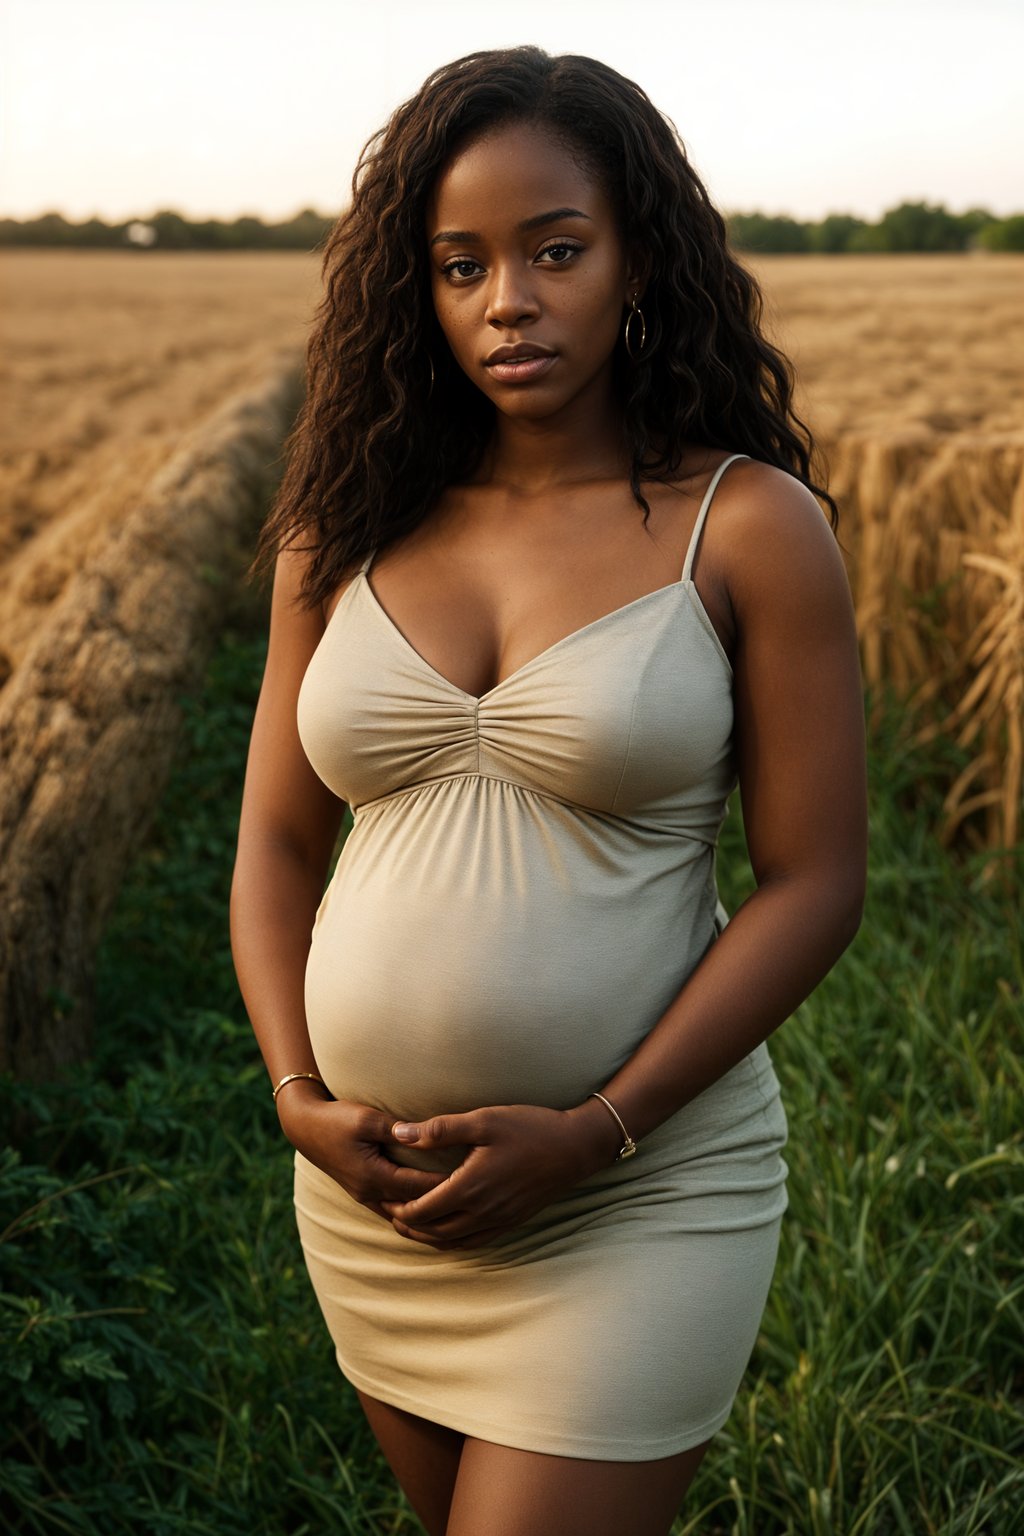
x=402, y=1132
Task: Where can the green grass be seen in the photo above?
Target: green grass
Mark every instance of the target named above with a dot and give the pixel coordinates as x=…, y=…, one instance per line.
x=886, y=1393
x=163, y=1364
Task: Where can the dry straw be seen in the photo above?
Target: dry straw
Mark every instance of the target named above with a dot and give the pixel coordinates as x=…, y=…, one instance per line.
x=934, y=534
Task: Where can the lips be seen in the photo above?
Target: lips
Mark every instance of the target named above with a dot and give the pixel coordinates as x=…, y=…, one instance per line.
x=520, y=352
x=519, y=363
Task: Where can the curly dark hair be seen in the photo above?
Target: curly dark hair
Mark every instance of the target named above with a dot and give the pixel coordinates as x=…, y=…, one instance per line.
x=373, y=445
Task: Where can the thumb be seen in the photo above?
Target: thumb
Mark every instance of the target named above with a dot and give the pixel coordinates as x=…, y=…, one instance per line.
x=439, y=1131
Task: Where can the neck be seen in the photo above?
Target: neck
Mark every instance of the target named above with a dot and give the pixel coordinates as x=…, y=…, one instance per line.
x=585, y=441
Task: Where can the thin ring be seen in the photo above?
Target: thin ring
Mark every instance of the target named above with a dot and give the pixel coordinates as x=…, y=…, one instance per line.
x=635, y=313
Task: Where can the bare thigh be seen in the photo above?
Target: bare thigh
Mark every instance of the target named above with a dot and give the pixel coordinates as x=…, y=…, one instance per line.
x=424, y=1457
x=507, y=1492
x=461, y=1486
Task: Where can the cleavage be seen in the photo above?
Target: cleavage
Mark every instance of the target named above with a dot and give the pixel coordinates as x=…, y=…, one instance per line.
x=478, y=638
x=458, y=671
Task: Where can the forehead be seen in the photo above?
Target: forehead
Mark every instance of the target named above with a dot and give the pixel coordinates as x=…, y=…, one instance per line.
x=508, y=174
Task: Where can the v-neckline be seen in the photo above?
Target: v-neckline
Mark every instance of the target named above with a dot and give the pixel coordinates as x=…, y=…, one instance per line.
x=685, y=582
x=480, y=698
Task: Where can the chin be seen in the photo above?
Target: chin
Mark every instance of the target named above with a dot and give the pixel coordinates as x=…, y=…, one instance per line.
x=526, y=400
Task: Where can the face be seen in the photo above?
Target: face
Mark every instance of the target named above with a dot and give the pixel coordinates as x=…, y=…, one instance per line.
x=527, y=263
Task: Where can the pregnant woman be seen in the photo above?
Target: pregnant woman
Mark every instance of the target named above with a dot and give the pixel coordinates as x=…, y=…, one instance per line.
x=551, y=579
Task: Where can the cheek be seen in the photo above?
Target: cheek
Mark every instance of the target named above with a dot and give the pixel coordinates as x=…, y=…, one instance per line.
x=598, y=316
x=452, y=318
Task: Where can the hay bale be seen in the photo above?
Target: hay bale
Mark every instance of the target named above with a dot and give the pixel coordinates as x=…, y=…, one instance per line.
x=89, y=719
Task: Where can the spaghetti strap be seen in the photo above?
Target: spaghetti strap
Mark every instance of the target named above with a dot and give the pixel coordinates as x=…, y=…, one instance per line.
x=702, y=514
x=367, y=563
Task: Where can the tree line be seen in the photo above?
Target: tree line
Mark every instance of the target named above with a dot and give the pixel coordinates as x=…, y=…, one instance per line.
x=907, y=227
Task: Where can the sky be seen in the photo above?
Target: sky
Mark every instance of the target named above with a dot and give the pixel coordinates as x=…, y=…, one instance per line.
x=217, y=108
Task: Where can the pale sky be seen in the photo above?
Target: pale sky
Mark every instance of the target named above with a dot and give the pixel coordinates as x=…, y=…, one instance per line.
x=117, y=108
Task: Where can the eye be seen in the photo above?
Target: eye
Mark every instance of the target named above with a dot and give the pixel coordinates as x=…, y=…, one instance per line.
x=450, y=268
x=563, y=246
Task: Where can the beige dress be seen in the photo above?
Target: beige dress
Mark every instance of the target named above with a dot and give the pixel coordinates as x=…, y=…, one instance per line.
x=528, y=883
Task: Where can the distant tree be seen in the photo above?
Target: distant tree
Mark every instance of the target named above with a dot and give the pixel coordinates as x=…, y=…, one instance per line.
x=868, y=239
x=172, y=232
x=1003, y=234
x=304, y=232
x=973, y=220
x=249, y=233
x=834, y=232
x=921, y=227
x=94, y=232
x=767, y=232
x=53, y=229
x=208, y=234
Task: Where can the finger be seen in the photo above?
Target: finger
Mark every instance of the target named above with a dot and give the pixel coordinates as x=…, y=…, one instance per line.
x=466, y=1240
x=406, y=1184
x=435, y=1205
x=377, y=1209
x=455, y=1225
x=441, y=1131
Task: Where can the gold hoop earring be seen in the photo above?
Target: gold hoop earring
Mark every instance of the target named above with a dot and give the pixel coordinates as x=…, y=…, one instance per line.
x=430, y=360
x=635, y=313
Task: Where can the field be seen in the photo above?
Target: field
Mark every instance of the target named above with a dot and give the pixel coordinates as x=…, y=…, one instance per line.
x=896, y=343
x=162, y=1362
x=910, y=374
x=107, y=358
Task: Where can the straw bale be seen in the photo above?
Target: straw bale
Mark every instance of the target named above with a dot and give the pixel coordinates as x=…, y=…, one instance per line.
x=89, y=718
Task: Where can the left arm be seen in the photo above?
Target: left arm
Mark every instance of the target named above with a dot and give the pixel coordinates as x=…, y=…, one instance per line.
x=799, y=735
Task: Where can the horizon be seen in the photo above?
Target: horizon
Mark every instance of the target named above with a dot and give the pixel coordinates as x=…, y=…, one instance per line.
x=774, y=213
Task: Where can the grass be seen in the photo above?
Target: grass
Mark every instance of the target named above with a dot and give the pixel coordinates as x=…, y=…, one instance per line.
x=164, y=1363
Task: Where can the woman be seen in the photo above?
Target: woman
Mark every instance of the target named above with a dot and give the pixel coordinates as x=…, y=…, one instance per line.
x=518, y=1050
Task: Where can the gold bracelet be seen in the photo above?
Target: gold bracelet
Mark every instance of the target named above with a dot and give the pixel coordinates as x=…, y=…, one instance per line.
x=290, y=1078
x=629, y=1147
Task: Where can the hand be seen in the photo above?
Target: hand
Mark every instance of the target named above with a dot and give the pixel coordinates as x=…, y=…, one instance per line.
x=345, y=1140
x=521, y=1158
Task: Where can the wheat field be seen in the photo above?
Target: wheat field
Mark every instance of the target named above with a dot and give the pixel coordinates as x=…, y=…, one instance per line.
x=107, y=359
x=911, y=373
x=909, y=369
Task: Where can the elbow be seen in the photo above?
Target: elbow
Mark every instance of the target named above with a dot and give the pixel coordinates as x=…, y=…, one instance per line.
x=849, y=926
x=827, y=901
x=850, y=897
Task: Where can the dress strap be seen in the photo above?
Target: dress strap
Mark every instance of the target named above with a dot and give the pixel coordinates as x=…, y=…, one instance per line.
x=702, y=514
x=367, y=563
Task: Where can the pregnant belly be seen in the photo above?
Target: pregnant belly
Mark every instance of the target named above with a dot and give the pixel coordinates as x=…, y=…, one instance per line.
x=465, y=976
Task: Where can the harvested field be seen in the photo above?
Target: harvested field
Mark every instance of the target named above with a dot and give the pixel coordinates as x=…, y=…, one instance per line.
x=137, y=462
x=107, y=360
x=910, y=374
x=884, y=342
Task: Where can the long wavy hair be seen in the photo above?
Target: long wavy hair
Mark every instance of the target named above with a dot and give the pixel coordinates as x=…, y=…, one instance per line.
x=375, y=443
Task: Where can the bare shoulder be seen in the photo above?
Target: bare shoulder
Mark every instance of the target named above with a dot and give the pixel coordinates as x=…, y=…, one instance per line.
x=772, y=540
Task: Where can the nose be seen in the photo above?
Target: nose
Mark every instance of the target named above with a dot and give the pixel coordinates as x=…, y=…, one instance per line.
x=510, y=296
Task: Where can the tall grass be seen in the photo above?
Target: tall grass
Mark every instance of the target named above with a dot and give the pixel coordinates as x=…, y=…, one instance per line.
x=886, y=1392
x=936, y=524
x=164, y=1367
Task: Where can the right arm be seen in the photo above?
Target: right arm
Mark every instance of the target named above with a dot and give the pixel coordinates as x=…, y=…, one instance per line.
x=287, y=830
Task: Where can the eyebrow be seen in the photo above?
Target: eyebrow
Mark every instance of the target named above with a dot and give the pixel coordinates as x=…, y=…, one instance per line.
x=464, y=236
